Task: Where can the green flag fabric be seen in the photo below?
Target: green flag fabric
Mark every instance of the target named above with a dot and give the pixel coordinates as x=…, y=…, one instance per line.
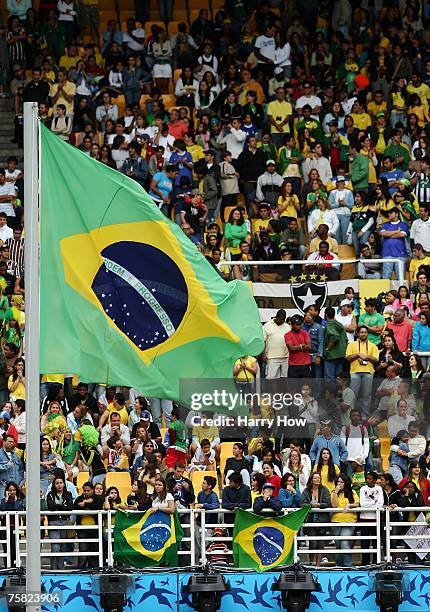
x=147, y=539
x=126, y=297
x=264, y=543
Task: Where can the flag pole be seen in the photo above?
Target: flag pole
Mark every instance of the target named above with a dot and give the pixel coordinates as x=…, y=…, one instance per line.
x=31, y=259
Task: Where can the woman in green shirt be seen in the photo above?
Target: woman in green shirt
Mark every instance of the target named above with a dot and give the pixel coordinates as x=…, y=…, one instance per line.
x=234, y=232
x=68, y=449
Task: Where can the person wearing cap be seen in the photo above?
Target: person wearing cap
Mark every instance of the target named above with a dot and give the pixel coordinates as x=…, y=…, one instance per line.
x=341, y=201
x=298, y=343
x=269, y=184
x=347, y=318
x=279, y=113
x=308, y=98
x=7, y=428
x=275, y=350
x=267, y=502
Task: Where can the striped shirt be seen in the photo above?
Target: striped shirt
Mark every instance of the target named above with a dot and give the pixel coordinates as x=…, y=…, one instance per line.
x=16, y=254
x=16, y=49
x=422, y=188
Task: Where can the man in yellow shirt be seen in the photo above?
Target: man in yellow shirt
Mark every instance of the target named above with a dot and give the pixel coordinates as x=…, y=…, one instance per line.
x=418, y=259
x=70, y=59
x=416, y=86
x=118, y=406
x=361, y=119
x=362, y=355
x=63, y=92
x=377, y=105
x=279, y=112
x=249, y=84
x=245, y=369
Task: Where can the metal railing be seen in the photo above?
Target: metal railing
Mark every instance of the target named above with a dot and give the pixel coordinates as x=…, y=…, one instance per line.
x=92, y=545
x=337, y=263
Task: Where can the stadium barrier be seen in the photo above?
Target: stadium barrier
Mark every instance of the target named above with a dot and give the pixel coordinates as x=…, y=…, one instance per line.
x=98, y=549
x=340, y=262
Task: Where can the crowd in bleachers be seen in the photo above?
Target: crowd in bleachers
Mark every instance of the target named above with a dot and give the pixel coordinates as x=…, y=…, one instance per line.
x=267, y=134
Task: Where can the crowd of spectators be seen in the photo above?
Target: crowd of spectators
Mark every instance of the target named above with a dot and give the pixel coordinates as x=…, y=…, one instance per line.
x=266, y=134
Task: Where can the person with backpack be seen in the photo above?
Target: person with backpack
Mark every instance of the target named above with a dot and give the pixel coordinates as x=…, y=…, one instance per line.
x=355, y=437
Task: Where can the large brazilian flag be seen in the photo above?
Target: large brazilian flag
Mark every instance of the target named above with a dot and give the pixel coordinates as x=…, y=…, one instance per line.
x=126, y=297
x=146, y=539
x=264, y=543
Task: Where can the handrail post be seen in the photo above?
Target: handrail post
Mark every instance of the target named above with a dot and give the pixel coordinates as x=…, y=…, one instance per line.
x=192, y=537
x=387, y=535
x=109, y=539
x=16, y=536
x=8, y=541
x=202, y=536
x=100, y=532
x=378, y=536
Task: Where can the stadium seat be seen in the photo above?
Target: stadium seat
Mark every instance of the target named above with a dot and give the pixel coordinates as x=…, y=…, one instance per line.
x=226, y=452
x=81, y=479
x=176, y=74
x=120, y=480
x=169, y=101
x=197, y=479
x=120, y=102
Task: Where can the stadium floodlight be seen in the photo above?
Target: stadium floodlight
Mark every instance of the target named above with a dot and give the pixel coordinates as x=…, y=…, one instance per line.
x=206, y=591
x=389, y=589
x=296, y=586
x=113, y=589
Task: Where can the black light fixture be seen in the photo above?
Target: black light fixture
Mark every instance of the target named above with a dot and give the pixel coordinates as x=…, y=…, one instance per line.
x=388, y=587
x=14, y=591
x=296, y=586
x=113, y=589
x=206, y=591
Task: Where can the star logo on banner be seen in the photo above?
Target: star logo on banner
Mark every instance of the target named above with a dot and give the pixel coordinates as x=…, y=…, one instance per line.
x=306, y=294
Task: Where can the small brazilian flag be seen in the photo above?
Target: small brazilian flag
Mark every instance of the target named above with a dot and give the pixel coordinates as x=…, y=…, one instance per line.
x=126, y=297
x=146, y=539
x=264, y=543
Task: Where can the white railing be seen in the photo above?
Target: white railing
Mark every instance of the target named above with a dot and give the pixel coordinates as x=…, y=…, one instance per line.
x=386, y=537
x=336, y=264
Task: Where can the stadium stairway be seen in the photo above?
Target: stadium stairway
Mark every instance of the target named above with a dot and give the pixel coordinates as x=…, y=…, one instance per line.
x=7, y=131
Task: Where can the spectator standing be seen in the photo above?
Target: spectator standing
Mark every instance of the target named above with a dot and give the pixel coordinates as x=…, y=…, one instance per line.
x=298, y=344
x=335, y=342
x=393, y=233
x=276, y=352
x=363, y=356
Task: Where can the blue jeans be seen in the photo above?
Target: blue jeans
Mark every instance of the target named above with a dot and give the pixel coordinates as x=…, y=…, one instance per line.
x=344, y=559
x=388, y=267
x=362, y=381
x=333, y=367
x=342, y=229
x=357, y=242
x=159, y=406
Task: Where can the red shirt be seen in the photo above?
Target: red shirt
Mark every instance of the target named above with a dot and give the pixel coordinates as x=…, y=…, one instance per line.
x=178, y=130
x=298, y=357
x=402, y=334
x=276, y=482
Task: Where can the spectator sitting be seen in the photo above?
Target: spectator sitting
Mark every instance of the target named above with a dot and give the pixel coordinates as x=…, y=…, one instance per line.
x=237, y=464
x=322, y=234
x=204, y=458
x=331, y=271
x=288, y=495
x=398, y=459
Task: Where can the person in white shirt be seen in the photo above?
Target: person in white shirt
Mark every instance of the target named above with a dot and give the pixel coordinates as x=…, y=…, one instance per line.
x=7, y=196
x=320, y=163
x=323, y=215
x=347, y=318
x=355, y=436
x=12, y=173
x=341, y=201
x=133, y=38
x=106, y=111
x=322, y=260
x=400, y=421
x=276, y=352
x=308, y=98
x=264, y=50
x=371, y=496
x=417, y=442
x=5, y=231
x=420, y=228
x=233, y=138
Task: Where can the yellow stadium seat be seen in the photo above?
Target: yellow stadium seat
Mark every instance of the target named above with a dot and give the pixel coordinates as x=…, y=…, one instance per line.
x=120, y=480
x=169, y=101
x=226, y=452
x=176, y=74
x=81, y=479
x=120, y=102
x=197, y=479
x=143, y=100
